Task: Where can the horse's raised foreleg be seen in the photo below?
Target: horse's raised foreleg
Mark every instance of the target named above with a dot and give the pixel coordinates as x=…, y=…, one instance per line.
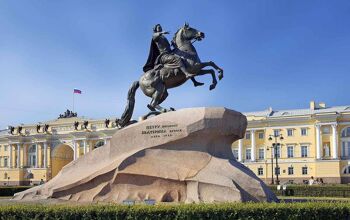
x=212, y=72
x=212, y=64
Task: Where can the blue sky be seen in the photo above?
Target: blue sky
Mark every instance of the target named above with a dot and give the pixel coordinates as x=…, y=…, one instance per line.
x=275, y=53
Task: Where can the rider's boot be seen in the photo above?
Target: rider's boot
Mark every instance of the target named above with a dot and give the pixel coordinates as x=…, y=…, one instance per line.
x=187, y=74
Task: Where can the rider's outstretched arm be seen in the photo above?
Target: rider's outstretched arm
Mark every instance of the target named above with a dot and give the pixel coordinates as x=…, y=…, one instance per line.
x=158, y=34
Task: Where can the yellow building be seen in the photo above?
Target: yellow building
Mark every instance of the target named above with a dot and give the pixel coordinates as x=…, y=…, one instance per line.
x=316, y=142
x=30, y=154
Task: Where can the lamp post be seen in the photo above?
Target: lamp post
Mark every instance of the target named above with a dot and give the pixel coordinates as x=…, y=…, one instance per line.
x=275, y=146
x=272, y=180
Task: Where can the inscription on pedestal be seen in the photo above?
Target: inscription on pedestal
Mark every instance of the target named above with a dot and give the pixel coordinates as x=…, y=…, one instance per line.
x=158, y=131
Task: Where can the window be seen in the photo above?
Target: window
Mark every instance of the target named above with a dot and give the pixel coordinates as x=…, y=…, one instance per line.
x=276, y=132
x=32, y=156
x=303, y=131
x=247, y=135
x=304, y=170
x=5, y=175
x=278, y=151
x=326, y=150
x=260, y=171
x=277, y=171
x=5, y=161
x=261, y=135
x=290, y=170
x=248, y=154
x=304, y=151
x=261, y=153
x=235, y=153
x=326, y=130
x=5, y=148
x=346, y=132
x=0, y=161
x=99, y=144
x=290, y=151
x=290, y=132
x=345, y=151
x=346, y=170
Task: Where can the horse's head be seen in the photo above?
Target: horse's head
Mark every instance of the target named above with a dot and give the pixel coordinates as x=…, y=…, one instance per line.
x=186, y=34
x=190, y=33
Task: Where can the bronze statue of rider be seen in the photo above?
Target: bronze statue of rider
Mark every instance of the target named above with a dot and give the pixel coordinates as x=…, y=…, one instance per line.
x=161, y=55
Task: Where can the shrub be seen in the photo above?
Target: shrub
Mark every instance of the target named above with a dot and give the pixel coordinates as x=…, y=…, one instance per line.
x=11, y=190
x=314, y=191
x=193, y=211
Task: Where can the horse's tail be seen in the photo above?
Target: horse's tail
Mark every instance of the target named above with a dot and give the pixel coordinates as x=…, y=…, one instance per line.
x=129, y=109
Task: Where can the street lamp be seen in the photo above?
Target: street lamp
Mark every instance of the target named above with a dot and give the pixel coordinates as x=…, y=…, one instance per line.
x=272, y=171
x=275, y=145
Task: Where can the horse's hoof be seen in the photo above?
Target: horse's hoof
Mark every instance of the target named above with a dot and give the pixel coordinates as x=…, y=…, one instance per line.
x=220, y=76
x=151, y=107
x=198, y=84
x=212, y=86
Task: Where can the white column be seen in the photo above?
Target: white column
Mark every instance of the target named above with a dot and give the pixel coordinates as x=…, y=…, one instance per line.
x=253, y=149
x=18, y=155
x=334, y=141
x=75, y=150
x=45, y=154
x=36, y=155
x=240, y=150
x=318, y=141
x=10, y=156
x=84, y=144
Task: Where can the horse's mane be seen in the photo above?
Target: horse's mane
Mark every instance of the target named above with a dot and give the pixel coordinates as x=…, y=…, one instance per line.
x=174, y=38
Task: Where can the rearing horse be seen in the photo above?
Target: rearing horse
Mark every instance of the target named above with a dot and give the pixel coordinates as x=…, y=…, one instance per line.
x=155, y=82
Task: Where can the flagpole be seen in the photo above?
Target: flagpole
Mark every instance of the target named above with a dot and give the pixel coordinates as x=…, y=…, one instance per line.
x=73, y=101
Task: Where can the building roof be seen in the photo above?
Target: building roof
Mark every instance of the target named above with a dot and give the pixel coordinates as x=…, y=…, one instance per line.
x=3, y=132
x=299, y=112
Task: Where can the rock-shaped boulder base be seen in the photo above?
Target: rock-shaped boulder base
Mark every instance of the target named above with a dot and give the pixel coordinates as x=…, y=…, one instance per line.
x=180, y=156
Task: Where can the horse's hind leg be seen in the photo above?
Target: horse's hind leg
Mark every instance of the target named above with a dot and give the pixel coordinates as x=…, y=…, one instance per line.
x=158, y=97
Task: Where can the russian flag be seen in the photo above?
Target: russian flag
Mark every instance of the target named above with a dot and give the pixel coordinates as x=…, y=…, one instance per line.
x=77, y=91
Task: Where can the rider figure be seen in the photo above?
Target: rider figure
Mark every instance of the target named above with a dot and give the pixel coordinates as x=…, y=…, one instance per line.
x=166, y=57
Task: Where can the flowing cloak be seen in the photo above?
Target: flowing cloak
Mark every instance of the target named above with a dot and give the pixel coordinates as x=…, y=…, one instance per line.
x=168, y=59
x=152, y=57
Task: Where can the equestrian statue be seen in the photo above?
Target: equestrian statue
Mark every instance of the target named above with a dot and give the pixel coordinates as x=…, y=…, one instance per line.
x=167, y=68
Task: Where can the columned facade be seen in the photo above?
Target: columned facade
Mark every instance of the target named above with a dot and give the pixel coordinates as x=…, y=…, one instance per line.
x=29, y=158
x=316, y=142
x=335, y=141
x=253, y=147
x=240, y=150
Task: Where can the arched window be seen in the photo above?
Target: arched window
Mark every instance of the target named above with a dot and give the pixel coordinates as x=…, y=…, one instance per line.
x=99, y=144
x=32, y=156
x=346, y=132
